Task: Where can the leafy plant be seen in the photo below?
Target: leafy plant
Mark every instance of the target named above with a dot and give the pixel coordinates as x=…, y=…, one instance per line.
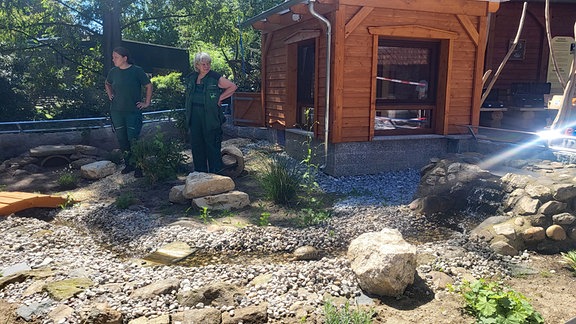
x=345, y=314
x=312, y=216
x=69, y=202
x=264, y=219
x=159, y=158
x=309, y=176
x=280, y=180
x=68, y=181
x=205, y=215
x=168, y=91
x=125, y=200
x=490, y=302
x=227, y=213
x=570, y=259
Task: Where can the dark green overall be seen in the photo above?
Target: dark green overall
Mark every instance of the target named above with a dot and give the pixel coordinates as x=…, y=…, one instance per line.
x=204, y=119
x=126, y=117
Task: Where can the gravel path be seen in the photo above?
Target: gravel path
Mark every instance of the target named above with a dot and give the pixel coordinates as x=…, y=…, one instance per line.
x=101, y=242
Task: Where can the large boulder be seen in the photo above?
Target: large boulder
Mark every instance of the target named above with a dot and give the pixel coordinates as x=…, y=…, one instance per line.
x=97, y=170
x=226, y=201
x=449, y=187
x=200, y=184
x=384, y=263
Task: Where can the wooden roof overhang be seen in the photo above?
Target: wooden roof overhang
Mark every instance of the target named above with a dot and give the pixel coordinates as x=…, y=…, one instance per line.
x=282, y=15
x=288, y=13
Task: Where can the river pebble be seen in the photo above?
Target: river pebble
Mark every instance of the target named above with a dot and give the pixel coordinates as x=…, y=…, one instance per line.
x=101, y=242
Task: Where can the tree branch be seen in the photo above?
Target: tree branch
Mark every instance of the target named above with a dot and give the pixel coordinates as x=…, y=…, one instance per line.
x=155, y=18
x=81, y=13
x=64, y=56
x=91, y=31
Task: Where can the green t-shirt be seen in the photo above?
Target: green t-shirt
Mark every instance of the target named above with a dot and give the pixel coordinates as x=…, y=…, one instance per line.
x=127, y=85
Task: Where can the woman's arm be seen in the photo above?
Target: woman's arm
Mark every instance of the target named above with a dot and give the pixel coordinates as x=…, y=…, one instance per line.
x=109, y=90
x=146, y=104
x=229, y=88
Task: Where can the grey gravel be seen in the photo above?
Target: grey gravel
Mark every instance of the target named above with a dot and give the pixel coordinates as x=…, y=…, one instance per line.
x=104, y=243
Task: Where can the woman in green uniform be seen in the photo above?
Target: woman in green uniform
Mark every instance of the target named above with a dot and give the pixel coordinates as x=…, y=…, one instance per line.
x=124, y=88
x=204, y=117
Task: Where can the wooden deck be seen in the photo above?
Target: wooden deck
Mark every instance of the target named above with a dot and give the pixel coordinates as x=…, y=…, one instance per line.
x=11, y=202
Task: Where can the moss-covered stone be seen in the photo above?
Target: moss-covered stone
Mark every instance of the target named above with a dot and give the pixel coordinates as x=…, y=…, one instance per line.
x=64, y=289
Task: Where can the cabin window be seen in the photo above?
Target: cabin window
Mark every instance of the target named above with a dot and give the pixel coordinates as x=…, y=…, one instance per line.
x=406, y=83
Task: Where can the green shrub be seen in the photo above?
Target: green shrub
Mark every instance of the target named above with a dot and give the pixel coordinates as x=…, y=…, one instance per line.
x=333, y=315
x=264, y=219
x=69, y=202
x=489, y=302
x=205, y=215
x=280, y=180
x=68, y=181
x=312, y=216
x=169, y=94
x=125, y=200
x=570, y=259
x=168, y=91
x=159, y=158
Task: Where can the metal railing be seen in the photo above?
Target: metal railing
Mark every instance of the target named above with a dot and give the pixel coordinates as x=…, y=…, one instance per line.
x=77, y=124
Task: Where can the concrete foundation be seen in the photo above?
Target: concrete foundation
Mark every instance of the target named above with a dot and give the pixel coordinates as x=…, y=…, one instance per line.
x=385, y=153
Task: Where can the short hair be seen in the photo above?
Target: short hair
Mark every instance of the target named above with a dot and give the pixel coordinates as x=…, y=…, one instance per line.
x=201, y=57
x=123, y=51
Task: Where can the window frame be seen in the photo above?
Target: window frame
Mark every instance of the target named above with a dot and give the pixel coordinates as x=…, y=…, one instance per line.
x=425, y=33
x=427, y=107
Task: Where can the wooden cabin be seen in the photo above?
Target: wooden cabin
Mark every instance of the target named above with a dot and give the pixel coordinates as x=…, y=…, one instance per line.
x=402, y=78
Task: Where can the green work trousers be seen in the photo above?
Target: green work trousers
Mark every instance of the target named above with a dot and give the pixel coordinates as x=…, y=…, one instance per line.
x=205, y=143
x=127, y=126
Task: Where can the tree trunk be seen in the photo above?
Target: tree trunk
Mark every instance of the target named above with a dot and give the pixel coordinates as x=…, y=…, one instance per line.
x=112, y=33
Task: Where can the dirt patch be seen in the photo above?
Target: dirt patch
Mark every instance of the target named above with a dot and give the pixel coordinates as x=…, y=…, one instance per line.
x=550, y=286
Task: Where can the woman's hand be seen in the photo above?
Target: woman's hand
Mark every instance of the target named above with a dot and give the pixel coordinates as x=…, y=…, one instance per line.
x=142, y=105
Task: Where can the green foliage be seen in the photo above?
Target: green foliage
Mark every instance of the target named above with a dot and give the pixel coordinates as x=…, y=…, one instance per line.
x=309, y=176
x=264, y=219
x=52, y=54
x=160, y=159
x=312, y=216
x=169, y=94
x=205, y=215
x=69, y=202
x=280, y=180
x=125, y=200
x=570, y=259
x=312, y=212
x=50, y=60
x=490, y=302
x=68, y=181
x=15, y=104
x=335, y=315
x=152, y=21
x=168, y=91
